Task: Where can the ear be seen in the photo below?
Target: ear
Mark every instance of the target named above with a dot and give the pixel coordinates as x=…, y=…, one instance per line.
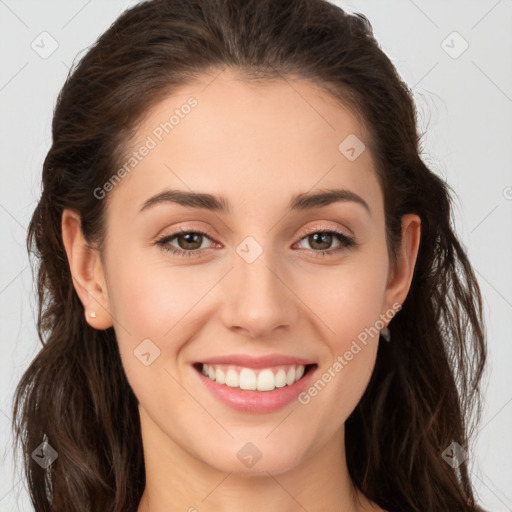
x=400, y=277
x=86, y=271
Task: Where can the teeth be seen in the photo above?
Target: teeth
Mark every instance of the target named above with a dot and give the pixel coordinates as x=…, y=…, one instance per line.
x=266, y=380
x=220, y=376
x=246, y=378
x=290, y=376
x=232, y=379
x=280, y=379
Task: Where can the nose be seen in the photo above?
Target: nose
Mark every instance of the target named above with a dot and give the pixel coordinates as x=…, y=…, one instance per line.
x=259, y=297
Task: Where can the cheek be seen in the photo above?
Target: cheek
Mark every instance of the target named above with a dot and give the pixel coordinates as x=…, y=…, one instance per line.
x=150, y=297
x=152, y=300
x=348, y=302
x=348, y=299
x=349, y=360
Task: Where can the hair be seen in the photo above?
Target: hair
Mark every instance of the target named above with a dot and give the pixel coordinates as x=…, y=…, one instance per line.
x=424, y=392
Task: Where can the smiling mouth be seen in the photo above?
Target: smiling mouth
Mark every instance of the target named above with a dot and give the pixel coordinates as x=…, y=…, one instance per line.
x=254, y=379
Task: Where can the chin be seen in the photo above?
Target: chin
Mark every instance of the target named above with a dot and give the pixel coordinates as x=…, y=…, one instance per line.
x=248, y=460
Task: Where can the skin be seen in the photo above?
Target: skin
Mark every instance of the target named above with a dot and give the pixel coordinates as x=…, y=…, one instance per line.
x=257, y=145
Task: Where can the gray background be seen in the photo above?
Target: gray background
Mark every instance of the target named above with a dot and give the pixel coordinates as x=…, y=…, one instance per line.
x=464, y=101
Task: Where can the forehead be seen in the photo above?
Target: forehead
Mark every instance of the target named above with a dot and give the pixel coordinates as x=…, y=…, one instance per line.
x=260, y=140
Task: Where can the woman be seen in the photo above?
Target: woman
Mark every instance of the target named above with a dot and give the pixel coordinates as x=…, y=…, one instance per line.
x=251, y=293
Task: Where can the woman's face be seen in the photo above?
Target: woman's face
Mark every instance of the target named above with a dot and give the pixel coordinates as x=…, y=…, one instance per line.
x=256, y=283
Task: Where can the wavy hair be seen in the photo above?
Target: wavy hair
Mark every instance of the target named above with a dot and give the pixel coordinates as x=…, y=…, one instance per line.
x=425, y=389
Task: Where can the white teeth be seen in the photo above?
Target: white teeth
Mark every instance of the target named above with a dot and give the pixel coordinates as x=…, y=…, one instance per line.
x=280, y=378
x=290, y=376
x=266, y=381
x=220, y=376
x=248, y=379
x=232, y=379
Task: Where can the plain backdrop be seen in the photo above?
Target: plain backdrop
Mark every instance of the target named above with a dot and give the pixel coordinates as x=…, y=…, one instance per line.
x=457, y=58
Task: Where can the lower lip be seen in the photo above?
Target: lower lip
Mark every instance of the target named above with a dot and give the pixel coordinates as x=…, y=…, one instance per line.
x=256, y=401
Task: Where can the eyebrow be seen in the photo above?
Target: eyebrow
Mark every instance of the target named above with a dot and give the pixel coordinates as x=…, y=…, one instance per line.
x=299, y=202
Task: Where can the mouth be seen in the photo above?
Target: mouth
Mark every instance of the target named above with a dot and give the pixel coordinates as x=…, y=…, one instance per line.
x=255, y=379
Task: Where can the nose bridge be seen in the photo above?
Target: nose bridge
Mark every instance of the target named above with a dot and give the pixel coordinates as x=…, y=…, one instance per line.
x=258, y=299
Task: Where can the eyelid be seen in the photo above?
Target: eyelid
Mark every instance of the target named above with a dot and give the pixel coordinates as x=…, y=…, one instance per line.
x=321, y=227
x=185, y=229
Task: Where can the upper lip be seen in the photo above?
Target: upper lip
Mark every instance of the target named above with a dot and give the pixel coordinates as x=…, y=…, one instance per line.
x=257, y=362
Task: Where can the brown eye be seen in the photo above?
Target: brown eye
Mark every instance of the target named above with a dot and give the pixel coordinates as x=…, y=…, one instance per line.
x=188, y=242
x=320, y=242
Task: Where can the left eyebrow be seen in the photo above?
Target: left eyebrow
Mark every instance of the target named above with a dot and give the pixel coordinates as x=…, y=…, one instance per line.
x=326, y=197
x=299, y=202
x=191, y=199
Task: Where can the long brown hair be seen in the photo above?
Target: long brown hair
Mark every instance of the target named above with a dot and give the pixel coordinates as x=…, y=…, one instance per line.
x=425, y=390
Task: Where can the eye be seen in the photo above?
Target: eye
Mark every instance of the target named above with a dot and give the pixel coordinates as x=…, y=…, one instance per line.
x=189, y=242
x=320, y=239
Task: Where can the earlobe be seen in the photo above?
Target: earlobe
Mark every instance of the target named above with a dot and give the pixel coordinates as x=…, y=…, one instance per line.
x=86, y=271
x=400, y=283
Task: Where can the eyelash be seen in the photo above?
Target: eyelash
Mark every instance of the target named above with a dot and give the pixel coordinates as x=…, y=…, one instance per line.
x=347, y=242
